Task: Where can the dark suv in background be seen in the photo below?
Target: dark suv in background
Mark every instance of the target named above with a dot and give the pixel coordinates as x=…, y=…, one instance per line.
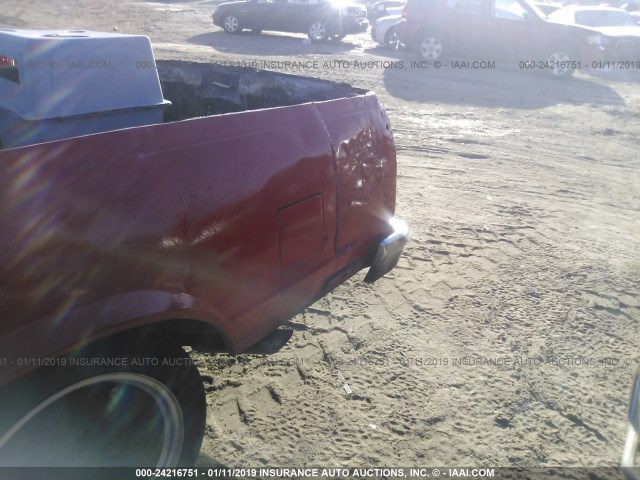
x=492, y=30
x=320, y=19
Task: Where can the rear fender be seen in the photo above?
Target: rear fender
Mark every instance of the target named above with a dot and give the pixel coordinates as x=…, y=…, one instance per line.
x=38, y=342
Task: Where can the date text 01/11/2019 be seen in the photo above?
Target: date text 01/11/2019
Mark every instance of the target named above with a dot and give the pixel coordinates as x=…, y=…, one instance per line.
x=329, y=473
x=578, y=65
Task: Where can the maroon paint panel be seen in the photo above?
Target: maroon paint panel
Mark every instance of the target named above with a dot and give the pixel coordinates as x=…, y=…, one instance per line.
x=366, y=169
x=301, y=234
x=192, y=209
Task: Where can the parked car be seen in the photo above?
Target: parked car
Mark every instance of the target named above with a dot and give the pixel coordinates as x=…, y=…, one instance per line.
x=320, y=19
x=608, y=20
x=633, y=6
x=384, y=8
x=250, y=196
x=619, y=29
x=492, y=30
x=385, y=31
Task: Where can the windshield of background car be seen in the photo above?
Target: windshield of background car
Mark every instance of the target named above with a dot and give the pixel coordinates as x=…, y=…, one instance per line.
x=334, y=3
x=466, y=7
x=534, y=8
x=509, y=9
x=604, y=18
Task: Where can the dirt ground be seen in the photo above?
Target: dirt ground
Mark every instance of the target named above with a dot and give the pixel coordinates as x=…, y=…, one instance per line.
x=509, y=332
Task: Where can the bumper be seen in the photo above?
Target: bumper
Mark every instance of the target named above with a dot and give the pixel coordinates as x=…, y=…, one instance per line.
x=591, y=54
x=389, y=250
x=624, y=50
x=354, y=26
x=405, y=33
x=375, y=34
x=380, y=29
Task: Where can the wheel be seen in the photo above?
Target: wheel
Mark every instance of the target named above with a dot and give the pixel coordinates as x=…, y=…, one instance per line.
x=231, y=23
x=317, y=31
x=391, y=39
x=432, y=46
x=337, y=37
x=129, y=401
x=561, y=60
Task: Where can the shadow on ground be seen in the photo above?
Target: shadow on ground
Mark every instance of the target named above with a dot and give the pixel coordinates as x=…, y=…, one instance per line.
x=458, y=82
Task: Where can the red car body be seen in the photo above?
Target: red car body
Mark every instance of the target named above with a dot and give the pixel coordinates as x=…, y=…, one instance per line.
x=236, y=221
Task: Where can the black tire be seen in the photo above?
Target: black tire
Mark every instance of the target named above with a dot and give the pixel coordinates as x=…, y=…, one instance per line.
x=562, y=61
x=337, y=37
x=432, y=45
x=317, y=31
x=131, y=400
x=231, y=23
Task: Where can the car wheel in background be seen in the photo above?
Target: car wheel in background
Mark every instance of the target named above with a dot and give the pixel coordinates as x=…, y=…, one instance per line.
x=337, y=37
x=317, y=31
x=432, y=46
x=391, y=39
x=231, y=23
x=561, y=61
